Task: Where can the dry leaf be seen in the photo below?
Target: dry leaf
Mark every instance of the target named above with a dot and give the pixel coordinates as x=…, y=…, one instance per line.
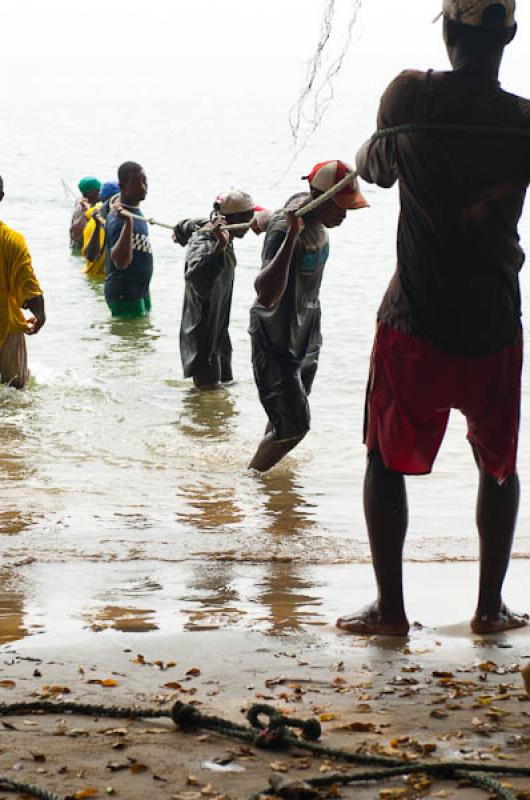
x=173, y=685
x=357, y=727
x=7, y=684
x=137, y=768
x=328, y=717
x=279, y=766
x=91, y=791
x=193, y=672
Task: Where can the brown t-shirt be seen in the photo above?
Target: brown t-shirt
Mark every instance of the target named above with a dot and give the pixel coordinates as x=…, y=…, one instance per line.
x=462, y=195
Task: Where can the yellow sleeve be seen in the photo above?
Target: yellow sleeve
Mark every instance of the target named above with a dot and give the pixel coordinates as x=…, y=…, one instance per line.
x=24, y=281
x=18, y=283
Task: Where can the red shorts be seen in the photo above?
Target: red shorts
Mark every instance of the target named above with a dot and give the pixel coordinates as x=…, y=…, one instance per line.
x=412, y=388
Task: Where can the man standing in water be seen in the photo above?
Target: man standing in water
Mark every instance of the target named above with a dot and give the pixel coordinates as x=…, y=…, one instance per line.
x=19, y=289
x=449, y=330
x=205, y=347
x=89, y=188
x=285, y=319
x=128, y=254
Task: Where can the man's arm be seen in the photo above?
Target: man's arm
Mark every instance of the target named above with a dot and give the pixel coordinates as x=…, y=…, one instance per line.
x=92, y=251
x=205, y=263
x=122, y=252
x=271, y=282
x=78, y=220
x=36, y=306
x=377, y=160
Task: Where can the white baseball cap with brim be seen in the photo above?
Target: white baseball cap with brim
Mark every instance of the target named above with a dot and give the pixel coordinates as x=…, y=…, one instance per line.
x=470, y=12
x=234, y=202
x=325, y=175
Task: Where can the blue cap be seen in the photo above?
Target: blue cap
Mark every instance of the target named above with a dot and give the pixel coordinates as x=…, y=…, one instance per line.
x=109, y=189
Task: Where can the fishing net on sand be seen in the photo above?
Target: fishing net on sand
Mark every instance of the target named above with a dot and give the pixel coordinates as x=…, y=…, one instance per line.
x=307, y=113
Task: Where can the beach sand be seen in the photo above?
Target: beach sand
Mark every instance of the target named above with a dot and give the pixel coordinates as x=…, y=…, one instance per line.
x=442, y=693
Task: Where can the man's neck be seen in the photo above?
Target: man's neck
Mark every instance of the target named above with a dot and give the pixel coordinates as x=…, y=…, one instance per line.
x=486, y=68
x=127, y=200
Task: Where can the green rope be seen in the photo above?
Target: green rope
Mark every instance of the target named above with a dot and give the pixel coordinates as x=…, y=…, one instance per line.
x=274, y=734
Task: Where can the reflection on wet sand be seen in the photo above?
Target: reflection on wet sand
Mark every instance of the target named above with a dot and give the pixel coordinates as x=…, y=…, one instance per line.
x=124, y=619
x=283, y=590
x=208, y=507
x=218, y=597
x=11, y=611
x=208, y=415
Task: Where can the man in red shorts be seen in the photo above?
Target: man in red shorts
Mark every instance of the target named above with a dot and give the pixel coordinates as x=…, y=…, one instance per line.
x=449, y=327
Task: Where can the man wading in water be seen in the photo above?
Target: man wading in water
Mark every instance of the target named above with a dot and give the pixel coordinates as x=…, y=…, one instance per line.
x=128, y=254
x=205, y=347
x=449, y=331
x=285, y=319
x=19, y=289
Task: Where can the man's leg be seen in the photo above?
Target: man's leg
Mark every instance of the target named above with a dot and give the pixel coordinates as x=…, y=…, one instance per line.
x=386, y=511
x=208, y=376
x=497, y=506
x=270, y=451
x=14, y=361
x=225, y=357
x=287, y=404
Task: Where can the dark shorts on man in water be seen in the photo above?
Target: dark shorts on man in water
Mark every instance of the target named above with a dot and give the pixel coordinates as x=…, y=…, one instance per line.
x=412, y=388
x=284, y=387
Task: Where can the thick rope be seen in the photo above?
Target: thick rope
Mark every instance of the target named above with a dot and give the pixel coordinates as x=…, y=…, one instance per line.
x=273, y=734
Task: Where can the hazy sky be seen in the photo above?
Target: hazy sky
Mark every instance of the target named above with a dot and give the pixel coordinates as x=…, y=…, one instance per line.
x=234, y=28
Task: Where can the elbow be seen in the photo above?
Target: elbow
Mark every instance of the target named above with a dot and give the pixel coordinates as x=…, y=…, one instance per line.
x=120, y=262
x=266, y=300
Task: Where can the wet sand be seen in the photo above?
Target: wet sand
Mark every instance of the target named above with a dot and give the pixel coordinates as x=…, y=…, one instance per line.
x=441, y=693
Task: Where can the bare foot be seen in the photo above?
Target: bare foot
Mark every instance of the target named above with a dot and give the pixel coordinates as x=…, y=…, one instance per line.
x=369, y=621
x=504, y=620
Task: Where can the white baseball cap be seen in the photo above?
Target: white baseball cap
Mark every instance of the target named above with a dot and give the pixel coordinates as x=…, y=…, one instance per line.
x=234, y=202
x=327, y=174
x=470, y=12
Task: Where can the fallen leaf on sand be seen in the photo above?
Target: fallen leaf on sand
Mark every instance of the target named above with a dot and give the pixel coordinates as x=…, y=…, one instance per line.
x=438, y=714
x=136, y=768
x=107, y=682
x=194, y=672
x=7, y=684
x=356, y=727
x=393, y=794
x=328, y=717
x=91, y=791
x=279, y=766
x=57, y=690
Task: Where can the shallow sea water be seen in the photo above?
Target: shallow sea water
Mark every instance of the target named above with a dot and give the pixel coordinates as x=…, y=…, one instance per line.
x=123, y=489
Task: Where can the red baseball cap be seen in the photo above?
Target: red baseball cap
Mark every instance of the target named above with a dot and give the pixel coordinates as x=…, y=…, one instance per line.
x=327, y=174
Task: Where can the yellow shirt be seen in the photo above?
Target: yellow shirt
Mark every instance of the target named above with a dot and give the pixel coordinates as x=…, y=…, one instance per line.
x=17, y=282
x=94, y=269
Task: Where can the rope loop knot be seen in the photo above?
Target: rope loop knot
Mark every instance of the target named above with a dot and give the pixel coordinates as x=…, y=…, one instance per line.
x=274, y=733
x=185, y=716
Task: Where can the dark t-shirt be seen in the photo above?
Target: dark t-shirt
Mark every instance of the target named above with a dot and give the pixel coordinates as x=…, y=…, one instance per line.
x=290, y=331
x=131, y=283
x=462, y=195
x=209, y=283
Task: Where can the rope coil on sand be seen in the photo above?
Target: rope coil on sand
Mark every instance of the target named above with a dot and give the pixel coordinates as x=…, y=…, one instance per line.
x=273, y=735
